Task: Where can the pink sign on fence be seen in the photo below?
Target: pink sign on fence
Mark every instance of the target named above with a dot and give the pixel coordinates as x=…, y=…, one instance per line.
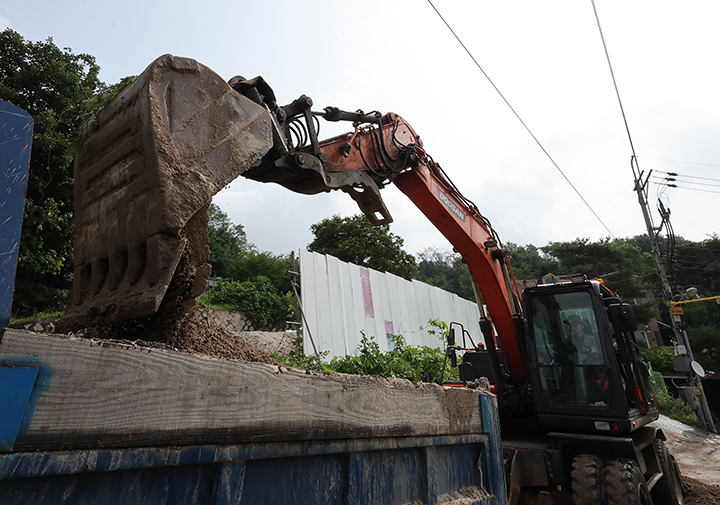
x=367, y=292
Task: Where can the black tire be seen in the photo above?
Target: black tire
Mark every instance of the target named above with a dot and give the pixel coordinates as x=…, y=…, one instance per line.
x=586, y=474
x=625, y=484
x=668, y=490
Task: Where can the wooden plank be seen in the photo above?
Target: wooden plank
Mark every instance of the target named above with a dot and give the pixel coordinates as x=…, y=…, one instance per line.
x=100, y=394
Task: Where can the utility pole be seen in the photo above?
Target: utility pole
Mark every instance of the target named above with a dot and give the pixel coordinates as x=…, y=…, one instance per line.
x=680, y=338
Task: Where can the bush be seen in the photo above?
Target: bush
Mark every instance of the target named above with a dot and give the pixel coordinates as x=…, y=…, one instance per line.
x=402, y=361
x=676, y=408
x=660, y=358
x=299, y=359
x=258, y=299
x=33, y=298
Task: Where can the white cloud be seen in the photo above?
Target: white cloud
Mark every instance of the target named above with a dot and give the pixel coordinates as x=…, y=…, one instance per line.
x=4, y=23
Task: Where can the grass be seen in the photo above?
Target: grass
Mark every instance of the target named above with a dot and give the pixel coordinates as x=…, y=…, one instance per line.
x=39, y=315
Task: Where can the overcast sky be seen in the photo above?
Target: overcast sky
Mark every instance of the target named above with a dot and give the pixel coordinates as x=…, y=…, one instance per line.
x=545, y=57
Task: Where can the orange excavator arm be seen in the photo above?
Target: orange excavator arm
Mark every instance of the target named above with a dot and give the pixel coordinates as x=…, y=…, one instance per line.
x=386, y=149
x=153, y=158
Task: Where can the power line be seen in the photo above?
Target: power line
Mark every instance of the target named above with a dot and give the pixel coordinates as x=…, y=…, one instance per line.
x=612, y=74
x=673, y=179
x=681, y=342
x=683, y=162
x=675, y=174
x=574, y=234
x=518, y=117
x=683, y=187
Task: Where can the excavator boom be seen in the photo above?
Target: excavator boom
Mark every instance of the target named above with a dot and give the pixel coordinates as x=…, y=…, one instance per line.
x=153, y=159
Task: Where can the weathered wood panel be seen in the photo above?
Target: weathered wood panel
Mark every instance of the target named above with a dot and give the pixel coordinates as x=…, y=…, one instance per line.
x=99, y=394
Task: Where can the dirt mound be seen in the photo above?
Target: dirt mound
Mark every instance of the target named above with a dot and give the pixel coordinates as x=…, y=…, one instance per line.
x=696, y=451
x=280, y=342
x=700, y=493
x=178, y=323
x=205, y=337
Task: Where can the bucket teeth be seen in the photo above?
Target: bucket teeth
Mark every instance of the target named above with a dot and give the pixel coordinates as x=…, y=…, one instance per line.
x=150, y=161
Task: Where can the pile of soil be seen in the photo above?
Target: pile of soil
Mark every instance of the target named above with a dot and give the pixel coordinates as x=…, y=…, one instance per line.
x=281, y=343
x=177, y=322
x=697, y=453
x=197, y=334
x=700, y=493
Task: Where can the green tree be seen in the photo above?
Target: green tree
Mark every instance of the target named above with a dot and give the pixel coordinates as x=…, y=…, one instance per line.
x=58, y=89
x=445, y=270
x=257, y=298
x=702, y=321
x=252, y=263
x=696, y=264
x=530, y=262
x=624, y=268
x=355, y=240
x=227, y=242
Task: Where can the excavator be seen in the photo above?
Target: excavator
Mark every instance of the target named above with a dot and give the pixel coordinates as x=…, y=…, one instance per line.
x=574, y=395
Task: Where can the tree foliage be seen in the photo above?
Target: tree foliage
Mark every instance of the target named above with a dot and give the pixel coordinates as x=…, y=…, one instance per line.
x=702, y=321
x=530, y=262
x=257, y=298
x=227, y=242
x=696, y=264
x=622, y=266
x=445, y=270
x=355, y=240
x=402, y=361
x=58, y=89
x=275, y=267
x=233, y=257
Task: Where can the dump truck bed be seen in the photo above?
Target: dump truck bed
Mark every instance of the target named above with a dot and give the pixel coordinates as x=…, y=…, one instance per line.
x=120, y=422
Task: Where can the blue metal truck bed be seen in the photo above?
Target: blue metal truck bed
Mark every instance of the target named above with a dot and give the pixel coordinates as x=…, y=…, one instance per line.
x=379, y=450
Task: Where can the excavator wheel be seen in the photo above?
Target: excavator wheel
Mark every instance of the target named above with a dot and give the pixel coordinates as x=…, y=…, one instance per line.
x=586, y=475
x=625, y=484
x=668, y=490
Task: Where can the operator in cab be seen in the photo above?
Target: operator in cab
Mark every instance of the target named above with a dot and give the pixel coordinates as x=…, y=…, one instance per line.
x=586, y=343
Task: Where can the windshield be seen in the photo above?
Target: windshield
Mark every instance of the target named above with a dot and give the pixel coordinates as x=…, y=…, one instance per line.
x=568, y=349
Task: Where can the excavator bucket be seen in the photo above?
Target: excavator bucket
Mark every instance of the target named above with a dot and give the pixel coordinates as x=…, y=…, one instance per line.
x=150, y=162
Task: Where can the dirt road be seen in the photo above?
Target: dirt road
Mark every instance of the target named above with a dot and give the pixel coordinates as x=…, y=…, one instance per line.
x=698, y=455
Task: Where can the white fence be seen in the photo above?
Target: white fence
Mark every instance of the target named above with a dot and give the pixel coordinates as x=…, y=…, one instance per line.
x=342, y=301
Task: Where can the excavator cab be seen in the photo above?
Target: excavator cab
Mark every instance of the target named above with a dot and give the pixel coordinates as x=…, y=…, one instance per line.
x=584, y=368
